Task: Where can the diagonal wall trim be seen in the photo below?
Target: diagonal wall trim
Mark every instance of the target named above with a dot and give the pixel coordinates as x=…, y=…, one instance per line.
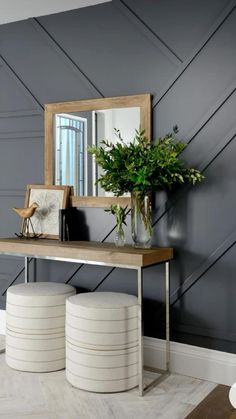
x=103, y=279
x=217, y=25
x=218, y=150
x=15, y=278
x=65, y=56
x=229, y=91
x=198, y=273
x=149, y=33
x=20, y=82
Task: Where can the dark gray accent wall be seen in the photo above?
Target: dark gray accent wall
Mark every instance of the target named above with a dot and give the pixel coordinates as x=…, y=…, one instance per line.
x=184, y=54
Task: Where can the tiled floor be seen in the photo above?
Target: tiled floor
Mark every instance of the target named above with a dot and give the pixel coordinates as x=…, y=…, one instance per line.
x=49, y=396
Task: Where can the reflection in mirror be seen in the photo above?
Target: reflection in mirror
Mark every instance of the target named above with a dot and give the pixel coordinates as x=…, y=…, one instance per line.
x=124, y=119
x=75, y=131
x=71, y=152
x=70, y=127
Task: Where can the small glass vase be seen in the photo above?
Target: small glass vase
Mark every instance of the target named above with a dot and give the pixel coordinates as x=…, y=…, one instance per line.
x=119, y=237
x=141, y=219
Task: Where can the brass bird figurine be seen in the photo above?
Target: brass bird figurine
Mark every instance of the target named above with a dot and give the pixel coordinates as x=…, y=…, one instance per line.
x=26, y=214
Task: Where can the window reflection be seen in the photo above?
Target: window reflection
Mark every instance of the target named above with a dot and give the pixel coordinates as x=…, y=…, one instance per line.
x=71, y=146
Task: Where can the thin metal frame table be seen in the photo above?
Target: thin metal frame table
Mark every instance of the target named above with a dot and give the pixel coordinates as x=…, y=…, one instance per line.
x=103, y=254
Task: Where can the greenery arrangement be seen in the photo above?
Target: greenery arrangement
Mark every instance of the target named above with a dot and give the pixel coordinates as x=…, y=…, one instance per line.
x=142, y=165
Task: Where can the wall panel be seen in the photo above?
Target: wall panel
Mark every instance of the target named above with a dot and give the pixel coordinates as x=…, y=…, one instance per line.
x=184, y=54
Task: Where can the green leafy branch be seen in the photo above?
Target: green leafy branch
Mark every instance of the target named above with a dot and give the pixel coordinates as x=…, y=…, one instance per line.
x=120, y=215
x=142, y=165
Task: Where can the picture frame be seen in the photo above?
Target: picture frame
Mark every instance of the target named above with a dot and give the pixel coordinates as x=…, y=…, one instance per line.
x=50, y=199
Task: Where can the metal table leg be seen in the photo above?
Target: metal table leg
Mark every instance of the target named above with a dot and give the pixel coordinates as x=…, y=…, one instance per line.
x=167, y=287
x=26, y=270
x=140, y=330
x=166, y=372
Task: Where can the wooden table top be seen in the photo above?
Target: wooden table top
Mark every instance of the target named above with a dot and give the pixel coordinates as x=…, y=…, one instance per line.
x=86, y=251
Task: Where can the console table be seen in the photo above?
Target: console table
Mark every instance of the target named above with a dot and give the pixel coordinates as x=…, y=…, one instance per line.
x=104, y=254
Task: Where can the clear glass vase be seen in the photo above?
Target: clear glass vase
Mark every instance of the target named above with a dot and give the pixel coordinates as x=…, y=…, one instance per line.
x=141, y=219
x=119, y=236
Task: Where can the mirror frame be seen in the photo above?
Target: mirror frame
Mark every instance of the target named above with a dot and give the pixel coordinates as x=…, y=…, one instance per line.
x=143, y=101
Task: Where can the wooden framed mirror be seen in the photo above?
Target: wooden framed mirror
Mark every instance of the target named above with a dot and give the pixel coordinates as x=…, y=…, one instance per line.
x=71, y=126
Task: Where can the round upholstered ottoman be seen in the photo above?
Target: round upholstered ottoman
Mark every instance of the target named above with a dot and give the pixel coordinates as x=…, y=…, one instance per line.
x=102, y=341
x=35, y=326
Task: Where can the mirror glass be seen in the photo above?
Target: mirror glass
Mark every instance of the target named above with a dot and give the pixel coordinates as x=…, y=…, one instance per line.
x=70, y=127
x=75, y=131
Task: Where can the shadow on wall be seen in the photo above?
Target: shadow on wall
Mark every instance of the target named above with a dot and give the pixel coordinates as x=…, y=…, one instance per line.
x=154, y=315
x=73, y=225
x=172, y=229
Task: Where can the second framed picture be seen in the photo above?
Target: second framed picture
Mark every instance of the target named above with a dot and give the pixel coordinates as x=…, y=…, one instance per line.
x=49, y=199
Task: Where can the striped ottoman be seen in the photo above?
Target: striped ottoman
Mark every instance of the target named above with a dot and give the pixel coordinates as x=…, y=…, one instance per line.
x=35, y=326
x=102, y=341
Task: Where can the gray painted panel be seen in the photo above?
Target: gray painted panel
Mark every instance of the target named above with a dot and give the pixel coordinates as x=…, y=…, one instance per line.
x=27, y=51
x=10, y=222
x=205, y=216
x=119, y=58
x=21, y=162
x=12, y=97
x=212, y=134
x=201, y=85
x=181, y=24
x=19, y=124
x=209, y=314
x=123, y=59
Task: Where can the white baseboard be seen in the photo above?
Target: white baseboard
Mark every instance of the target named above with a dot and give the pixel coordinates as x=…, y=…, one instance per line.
x=207, y=364
x=2, y=322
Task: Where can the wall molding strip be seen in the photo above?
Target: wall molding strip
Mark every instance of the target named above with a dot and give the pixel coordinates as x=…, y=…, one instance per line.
x=20, y=114
x=103, y=279
x=74, y=273
x=229, y=91
x=218, y=150
x=216, y=255
x=11, y=193
x=215, y=27
x=16, y=277
x=20, y=82
x=28, y=135
x=148, y=32
x=65, y=56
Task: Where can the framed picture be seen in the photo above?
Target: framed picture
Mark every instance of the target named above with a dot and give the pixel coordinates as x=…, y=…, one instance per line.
x=49, y=199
